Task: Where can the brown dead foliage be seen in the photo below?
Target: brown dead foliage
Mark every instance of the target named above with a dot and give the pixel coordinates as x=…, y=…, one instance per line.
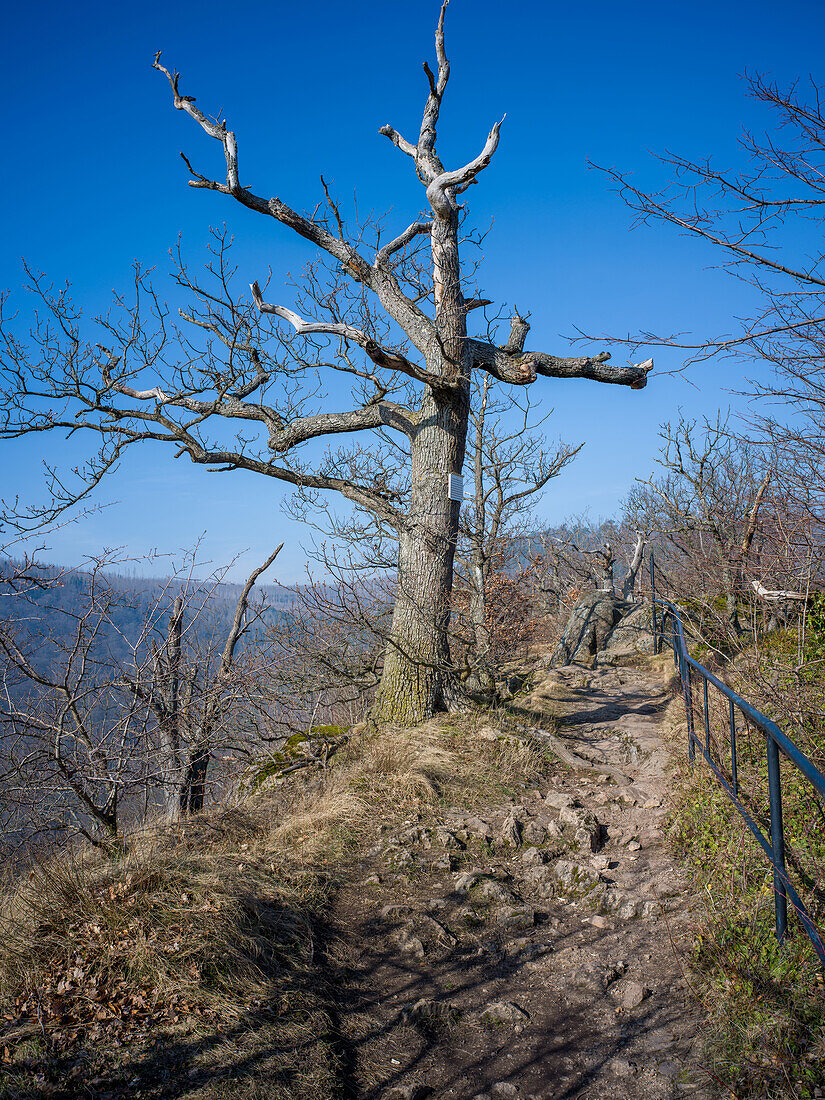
x=191, y=929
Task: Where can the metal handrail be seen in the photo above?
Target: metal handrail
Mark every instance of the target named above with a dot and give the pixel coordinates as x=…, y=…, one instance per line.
x=775, y=741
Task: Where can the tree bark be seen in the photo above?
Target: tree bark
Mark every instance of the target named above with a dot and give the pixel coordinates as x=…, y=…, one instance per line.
x=416, y=680
x=169, y=670
x=629, y=583
x=193, y=781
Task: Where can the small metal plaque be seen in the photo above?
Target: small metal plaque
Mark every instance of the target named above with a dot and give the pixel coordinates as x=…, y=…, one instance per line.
x=455, y=487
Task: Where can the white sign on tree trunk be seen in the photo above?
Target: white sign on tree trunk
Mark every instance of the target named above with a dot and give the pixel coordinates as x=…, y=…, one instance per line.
x=455, y=486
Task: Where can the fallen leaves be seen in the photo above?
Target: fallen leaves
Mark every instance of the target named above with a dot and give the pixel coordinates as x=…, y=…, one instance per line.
x=92, y=989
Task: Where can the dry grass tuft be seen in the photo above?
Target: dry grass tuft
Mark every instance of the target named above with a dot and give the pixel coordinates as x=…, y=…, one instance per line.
x=311, y=833
x=200, y=931
x=407, y=766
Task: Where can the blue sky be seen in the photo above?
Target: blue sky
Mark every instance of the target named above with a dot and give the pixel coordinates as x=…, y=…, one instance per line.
x=94, y=181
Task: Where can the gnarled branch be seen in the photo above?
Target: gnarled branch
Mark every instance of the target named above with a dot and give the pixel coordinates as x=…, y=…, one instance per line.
x=390, y=360
x=403, y=239
x=512, y=364
x=438, y=192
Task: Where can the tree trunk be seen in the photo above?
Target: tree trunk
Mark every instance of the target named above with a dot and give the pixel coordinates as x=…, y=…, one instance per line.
x=481, y=676
x=169, y=726
x=416, y=680
x=629, y=585
x=732, y=609
x=193, y=784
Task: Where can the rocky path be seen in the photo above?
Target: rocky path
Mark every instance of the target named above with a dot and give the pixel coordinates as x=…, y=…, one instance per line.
x=533, y=949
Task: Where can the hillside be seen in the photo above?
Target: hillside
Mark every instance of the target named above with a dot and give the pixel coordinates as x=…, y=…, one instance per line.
x=136, y=601
x=448, y=911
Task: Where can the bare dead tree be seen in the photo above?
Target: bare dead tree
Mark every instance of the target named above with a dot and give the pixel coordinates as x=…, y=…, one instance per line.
x=633, y=563
x=580, y=555
x=66, y=736
x=187, y=701
x=706, y=510
x=584, y=578
x=390, y=315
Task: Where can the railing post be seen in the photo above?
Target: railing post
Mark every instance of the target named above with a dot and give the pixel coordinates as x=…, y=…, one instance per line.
x=707, y=718
x=777, y=839
x=775, y=739
x=653, y=605
x=686, y=684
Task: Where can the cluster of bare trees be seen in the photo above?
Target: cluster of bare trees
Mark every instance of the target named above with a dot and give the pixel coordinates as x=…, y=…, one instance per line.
x=91, y=742
x=732, y=543
x=98, y=743
x=419, y=596
x=758, y=493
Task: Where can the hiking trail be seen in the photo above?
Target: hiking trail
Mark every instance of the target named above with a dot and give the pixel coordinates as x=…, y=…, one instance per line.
x=532, y=949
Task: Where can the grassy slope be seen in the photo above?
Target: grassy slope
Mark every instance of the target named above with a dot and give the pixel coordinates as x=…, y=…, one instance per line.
x=197, y=965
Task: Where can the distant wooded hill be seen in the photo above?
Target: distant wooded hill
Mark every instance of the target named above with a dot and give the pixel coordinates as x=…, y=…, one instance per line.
x=48, y=615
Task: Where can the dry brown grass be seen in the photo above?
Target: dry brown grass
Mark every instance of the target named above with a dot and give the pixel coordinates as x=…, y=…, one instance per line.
x=196, y=934
x=408, y=766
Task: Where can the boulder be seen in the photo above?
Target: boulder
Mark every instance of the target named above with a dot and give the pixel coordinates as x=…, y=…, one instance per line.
x=515, y=916
x=490, y=890
x=511, y=832
x=465, y=881
x=478, y=827
x=590, y=625
x=534, y=833
x=628, y=994
x=408, y=1092
x=582, y=825
x=574, y=879
x=503, y=1012
x=559, y=800
x=533, y=855
x=447, y=839
x=489, y=733
x=409, y=943
x=445, y=862
x=632, y=635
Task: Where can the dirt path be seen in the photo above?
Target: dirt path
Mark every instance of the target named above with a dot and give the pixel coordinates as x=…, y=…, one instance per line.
x=532, y=950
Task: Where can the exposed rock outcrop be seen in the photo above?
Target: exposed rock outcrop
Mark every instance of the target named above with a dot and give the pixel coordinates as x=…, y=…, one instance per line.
x=632, y=635
x=589, y=627
x=607, y=627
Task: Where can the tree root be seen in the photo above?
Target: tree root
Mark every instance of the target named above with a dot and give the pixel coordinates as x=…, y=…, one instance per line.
x=572, y=759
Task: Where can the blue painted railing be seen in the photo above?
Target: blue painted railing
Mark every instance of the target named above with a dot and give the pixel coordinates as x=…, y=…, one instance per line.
x=667, y=627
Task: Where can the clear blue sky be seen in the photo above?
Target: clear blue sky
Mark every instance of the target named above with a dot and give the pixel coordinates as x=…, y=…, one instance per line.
x=93, y=180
